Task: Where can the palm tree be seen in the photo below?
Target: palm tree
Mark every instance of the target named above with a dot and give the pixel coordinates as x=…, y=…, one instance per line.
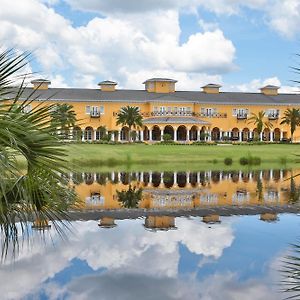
x=63, y=117
x=291, y=118
x=35, y=190
x=131, y=117
x=130, y=198
x=258, y=121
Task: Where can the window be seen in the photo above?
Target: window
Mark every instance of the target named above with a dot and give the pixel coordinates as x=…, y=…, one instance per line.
x=88, y=110
x=188, y=110
x=209, y=112
x=272, y=112
x=240, y=112
x=95, y=110
x=169, y=110
x=175, y=110
x=155, y=109
x=162, y=109
x=101, y=110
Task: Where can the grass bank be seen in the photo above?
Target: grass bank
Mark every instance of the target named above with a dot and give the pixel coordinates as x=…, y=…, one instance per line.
x=171, y=157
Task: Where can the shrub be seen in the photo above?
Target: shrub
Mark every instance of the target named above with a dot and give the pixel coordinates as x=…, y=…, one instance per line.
x=215, y=161
x=244, y=161
x=167, y=137
x=228, y=161
x=254, y=160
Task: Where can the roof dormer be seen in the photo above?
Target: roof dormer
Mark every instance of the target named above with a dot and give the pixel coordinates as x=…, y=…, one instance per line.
x=107, y=86
x=270, y=90
x=160, y=85
x=211, y=88
x=41, y=84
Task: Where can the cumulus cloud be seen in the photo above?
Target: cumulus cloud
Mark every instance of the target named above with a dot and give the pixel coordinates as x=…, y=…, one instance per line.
x=254, y=86
x=128, y=248
x=112, y=46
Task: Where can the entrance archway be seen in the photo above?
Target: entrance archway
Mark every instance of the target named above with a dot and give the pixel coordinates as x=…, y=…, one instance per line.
x=181, y=133
x=276, y=134
x=156, y=133
x=245, y=134
x=169, y=130
x=88, y=134
x=125, y=134
x=215, y=134
x=194, y=133
x=235, y=134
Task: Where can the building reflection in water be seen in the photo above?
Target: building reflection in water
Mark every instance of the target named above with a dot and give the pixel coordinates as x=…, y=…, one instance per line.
x=174, y=190
x=155, y=223
x=107, y=222
x=211, y=219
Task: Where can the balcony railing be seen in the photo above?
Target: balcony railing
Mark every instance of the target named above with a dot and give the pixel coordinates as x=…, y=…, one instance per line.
x=95, y=114
x=212, y=115
x=241, y=116
x=180, y=114
x=273, y=116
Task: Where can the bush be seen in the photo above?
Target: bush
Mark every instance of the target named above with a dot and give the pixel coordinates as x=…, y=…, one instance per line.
x=244, y=161
x=167, y=137
x=250, y=160
x=215, y=161
x=228, y=161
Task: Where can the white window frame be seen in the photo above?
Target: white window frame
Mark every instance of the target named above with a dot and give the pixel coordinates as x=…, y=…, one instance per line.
x=87, y=109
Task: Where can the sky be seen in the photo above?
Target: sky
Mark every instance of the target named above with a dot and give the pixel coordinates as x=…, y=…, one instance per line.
x=240, y=44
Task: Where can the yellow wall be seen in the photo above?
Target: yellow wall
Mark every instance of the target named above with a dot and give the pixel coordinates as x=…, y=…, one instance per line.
x=108, y=119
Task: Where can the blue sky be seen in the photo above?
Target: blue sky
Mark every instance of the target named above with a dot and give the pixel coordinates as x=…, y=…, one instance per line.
x=239, y=44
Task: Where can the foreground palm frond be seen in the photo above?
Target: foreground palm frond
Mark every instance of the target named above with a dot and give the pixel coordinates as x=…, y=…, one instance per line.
x=39, y=191
x=290, y=271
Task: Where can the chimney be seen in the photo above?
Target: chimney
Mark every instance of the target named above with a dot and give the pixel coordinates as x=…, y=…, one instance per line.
x=160, y=85
x=107, y=86
x=270, y=90
x=211, y=88
x=41, y=84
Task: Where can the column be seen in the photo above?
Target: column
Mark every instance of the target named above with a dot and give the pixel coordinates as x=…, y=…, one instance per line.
x=175, y=178
x=198, y=135
x=112, y=136
x=209, y=136
x=82, y=135
x=161, y=134
x=95, y=135
x=240, y=135
x=229, y=135
x=119, y=136
x=187, y=134
x=271, y=136
x=250, y=135
x=175, y=134
x=261, y=136
x=142, y=135
x=221, y=135
x=150, y=135
x=281, y=135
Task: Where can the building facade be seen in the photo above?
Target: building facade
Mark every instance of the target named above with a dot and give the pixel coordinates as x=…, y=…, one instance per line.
x=187, y=116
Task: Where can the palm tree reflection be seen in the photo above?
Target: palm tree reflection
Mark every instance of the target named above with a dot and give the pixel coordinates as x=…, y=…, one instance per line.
x=130, y=198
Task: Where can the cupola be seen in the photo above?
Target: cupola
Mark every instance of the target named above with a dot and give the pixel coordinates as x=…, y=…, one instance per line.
x=41, y=84
x=108, y=86
x=270, y=90
x=160, y=85
x=211, y=88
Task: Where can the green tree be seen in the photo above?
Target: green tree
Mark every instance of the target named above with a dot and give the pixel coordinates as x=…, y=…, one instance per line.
x=35, y=189
x=63, y=117
x=259, y=122
x=292, y=118
x=131, y=117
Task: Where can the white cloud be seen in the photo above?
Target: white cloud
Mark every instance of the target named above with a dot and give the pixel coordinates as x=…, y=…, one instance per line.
x=128, y=248
x=111, y=46
x=255, y=85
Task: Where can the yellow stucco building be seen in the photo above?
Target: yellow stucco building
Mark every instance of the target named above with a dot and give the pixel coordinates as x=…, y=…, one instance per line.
x=207, y=114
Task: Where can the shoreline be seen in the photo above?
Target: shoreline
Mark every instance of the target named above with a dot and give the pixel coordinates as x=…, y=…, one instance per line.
x=223, y=211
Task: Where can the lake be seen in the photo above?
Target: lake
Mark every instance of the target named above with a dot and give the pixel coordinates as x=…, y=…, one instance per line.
x=167, y=235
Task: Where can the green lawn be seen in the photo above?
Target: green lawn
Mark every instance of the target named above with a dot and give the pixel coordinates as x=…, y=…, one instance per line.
x=140, y=156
